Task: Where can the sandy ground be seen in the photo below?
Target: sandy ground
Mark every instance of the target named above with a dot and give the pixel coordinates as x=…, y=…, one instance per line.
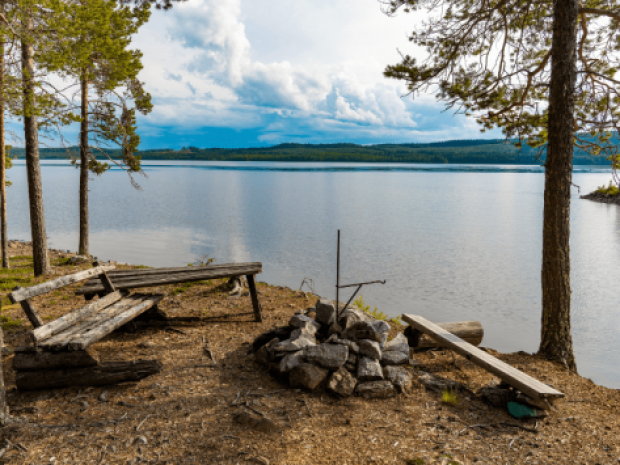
x=186, y=413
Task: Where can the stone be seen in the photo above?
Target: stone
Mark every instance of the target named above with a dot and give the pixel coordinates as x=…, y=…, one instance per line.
x=436, y=384
x=331, y=356
x=369, y=369
x=293, y=345
x=308, y=376
x=291, y=360
x=350, y=316
x=361, y=330
x=398, y=344
x=399, y=377
x=350, y=367
x=384, y=337
x=325, y=312
x=353, y=347
x=306, y=330
x=394, y=358
x=380, y=326
x=352, y=358
x=300, y=321
x=334, y=329
x=264, y=354
x=281, y=332
x=370, y=349
x=342, y=383
x=375, y=390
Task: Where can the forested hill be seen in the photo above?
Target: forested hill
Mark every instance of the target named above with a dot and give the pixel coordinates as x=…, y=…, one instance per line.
x=454, y=151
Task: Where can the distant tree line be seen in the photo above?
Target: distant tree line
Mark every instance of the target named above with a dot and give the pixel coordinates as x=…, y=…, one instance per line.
x=454, y=151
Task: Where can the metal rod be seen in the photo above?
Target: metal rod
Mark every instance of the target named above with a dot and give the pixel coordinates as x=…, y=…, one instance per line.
x=353, y=296
x=361, y=284
x=338, y=275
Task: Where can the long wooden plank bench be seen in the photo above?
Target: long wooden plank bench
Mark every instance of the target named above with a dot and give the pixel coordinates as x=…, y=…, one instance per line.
x=516, y=378
x=58, y=353
x=134, y=279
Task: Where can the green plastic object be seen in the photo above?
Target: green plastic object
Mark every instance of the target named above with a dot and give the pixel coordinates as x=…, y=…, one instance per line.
x=521, y=411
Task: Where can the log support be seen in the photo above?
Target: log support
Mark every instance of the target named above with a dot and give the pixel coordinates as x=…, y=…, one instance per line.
x=470, y=331
x=254, y=294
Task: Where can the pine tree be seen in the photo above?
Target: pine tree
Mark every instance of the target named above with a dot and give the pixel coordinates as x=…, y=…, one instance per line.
x=544, y=73
x=95, y=54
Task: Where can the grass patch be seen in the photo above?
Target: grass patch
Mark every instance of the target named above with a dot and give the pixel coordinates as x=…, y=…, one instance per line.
x=449, y=397
x=9, y=324
x=609, y=190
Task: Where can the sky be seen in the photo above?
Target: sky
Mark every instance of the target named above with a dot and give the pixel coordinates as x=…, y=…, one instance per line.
x=249, y=73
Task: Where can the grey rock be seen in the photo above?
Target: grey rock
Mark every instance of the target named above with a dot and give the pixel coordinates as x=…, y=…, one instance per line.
x=291, y=360
x=398, y=344
x=399, y=377
x=307, y=330
x=352, y=358
x=394, y=358
x=375, y=390
x=308, y=376
x=334, y=329
x=351, y=316
x=370, y=349
x=281, y=332
x=331, y=356
x=264, y=354
x=294, y=345
x=436, y=384
x=369, y=369
x=384, y=337
x=334, y=339
x=325, y=312
x=361, y=330
x=300, y=321
x=350, y=367
x=341, y=382
x=380, y=326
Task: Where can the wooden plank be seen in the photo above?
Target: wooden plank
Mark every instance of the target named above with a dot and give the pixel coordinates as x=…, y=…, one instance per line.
x=102, y=330
x=255, y=303
x=106, y=373
x=516, y=378
x=107, y=284
x=151, y=281
x=41, y=360
x=31, y=313
x=38, y=289
x=178, y=269
x=60, y=340
x=62, y=323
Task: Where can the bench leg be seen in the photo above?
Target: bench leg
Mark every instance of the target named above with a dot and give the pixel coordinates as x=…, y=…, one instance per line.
x=255, y=303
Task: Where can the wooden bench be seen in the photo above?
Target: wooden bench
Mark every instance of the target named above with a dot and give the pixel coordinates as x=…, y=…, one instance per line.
x=133, y=279
x=57, y=356
x=516, y=378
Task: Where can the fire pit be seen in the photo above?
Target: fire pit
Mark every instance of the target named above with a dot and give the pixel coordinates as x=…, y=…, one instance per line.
x=345, y=354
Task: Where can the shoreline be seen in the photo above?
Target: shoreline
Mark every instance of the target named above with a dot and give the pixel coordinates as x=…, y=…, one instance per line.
x=189, y=409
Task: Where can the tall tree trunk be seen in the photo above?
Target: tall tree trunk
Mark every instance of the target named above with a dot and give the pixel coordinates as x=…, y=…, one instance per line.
x=556, y=340
x=35, y=189
x=83, y=247
x=3, y=226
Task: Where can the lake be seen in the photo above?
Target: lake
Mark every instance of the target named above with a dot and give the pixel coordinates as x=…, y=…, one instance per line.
x=454, y=242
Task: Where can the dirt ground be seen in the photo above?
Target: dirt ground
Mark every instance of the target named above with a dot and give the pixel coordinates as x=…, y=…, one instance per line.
x=186, y=413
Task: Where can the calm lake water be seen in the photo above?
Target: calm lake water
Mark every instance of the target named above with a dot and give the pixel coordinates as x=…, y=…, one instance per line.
x=453, y=242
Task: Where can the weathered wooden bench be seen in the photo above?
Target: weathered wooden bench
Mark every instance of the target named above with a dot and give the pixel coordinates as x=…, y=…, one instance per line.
x=57, y=355
x=516, y=378
x=133, y=279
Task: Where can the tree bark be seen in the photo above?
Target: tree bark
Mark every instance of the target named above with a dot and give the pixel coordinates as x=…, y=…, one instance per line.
x=556, y=340
x=83, y=246
x=3, y=226
x=35, y=189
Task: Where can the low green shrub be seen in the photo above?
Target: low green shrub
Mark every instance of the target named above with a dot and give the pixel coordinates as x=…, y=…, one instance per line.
x=611, y=189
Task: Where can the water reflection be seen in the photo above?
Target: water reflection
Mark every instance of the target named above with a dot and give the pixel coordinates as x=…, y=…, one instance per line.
x=453, y=245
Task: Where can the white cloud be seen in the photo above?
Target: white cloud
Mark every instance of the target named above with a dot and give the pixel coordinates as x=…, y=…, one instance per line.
x=316, y=65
